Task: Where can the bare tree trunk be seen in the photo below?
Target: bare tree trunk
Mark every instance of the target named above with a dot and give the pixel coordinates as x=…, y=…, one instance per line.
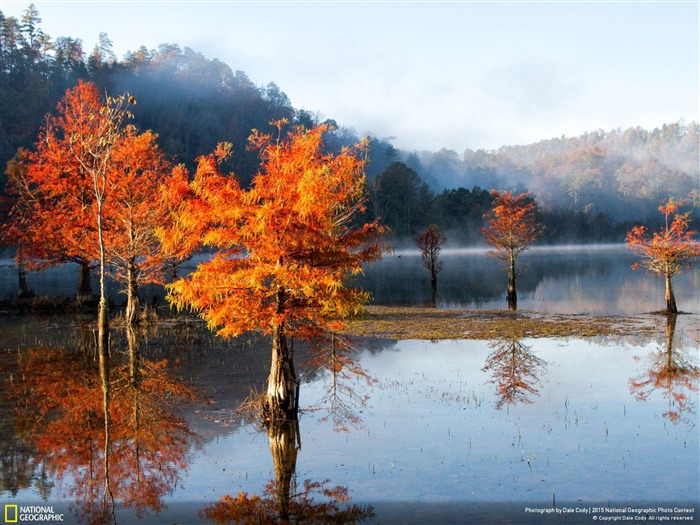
x=84, y=285
x=24, y=292
x=284, y=445
x=433, y=285
x=133, y=305
x=282, y=391
x=103, y=308
x=512, y=293
x=671, y=307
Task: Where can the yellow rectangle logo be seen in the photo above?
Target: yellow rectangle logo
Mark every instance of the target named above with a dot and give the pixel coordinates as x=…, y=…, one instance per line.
x=11, y=513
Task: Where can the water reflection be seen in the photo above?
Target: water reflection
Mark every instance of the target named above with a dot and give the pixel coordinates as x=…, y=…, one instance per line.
x=672, y=372
x=335, y=362
x=515, y=371
x=283, y=500
x=108, y=435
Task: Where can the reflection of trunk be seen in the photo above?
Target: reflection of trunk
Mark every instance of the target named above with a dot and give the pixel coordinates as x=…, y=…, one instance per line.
x=670, y=297
x=107, y=497
x=84, y=286
x=282, y=385
x=670, y=332
x=133, y=306
x=512, y=294
x=135, y=378
x=284, y=444
x=134, y=357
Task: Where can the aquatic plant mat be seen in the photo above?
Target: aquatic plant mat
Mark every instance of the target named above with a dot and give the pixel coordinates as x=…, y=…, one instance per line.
x=395, y=322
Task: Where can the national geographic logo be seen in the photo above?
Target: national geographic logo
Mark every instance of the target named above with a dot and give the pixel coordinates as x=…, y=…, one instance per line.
x=14, y=513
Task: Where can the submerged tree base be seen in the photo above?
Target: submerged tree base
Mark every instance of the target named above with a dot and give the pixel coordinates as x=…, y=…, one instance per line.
x=395, y=322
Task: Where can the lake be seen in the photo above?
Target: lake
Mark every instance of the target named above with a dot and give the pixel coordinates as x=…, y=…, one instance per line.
x=573, y=279
x=548, y=430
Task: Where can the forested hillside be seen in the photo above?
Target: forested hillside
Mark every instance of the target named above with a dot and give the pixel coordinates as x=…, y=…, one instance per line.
x=589, y=187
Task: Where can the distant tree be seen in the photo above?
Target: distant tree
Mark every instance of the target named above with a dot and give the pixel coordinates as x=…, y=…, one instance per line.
x=400, y=199
x=430, y=243
x=295, y=227
x=512, y=227
x=667, y=251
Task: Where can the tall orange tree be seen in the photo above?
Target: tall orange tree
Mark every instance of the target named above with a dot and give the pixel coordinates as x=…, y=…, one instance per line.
x=285, y=248
x=90, y=193
x=512, y=227
x=136, y=207
x=667, y=251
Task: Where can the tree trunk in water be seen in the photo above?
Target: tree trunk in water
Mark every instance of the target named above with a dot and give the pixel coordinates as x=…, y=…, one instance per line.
x=133, y=305
x=512, y=294
x=670, y=297
x=282, y=385
x=24, y=292
x=84, y=285
x=284, y=445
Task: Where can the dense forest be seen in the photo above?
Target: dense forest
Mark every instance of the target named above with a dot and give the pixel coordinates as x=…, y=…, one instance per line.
x=589, y=188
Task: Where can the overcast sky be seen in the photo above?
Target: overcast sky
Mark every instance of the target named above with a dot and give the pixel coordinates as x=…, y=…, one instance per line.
x=431, y=74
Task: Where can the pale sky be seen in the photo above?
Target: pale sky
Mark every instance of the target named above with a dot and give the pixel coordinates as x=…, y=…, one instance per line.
x=431, y=74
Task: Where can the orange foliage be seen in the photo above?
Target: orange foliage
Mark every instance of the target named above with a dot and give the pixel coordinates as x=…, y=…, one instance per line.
x=285, y=246
x=59, y=407
x=87, y=169
x=672, y=372
x=512, y=225
x=515, y=370
x=669, y=250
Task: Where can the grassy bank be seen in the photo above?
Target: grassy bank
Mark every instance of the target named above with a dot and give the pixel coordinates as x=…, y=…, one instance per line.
x=429, y=323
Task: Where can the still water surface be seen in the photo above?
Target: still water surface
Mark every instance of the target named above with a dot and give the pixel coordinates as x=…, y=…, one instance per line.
x=570, y=280
x=445, y=432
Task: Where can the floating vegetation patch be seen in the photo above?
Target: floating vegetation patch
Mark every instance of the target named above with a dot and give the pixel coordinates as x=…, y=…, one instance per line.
x=430, y=323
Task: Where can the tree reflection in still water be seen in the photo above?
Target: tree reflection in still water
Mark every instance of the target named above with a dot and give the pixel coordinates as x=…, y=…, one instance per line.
x=336, y=360
x=283, y=500
x=515, y=371
x=672, y=372
x=133, y=452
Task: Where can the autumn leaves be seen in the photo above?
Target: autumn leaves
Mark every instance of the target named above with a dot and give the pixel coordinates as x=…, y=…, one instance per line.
x=96, y=191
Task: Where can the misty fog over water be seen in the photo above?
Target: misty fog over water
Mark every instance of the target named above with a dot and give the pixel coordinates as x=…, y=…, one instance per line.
x=595, y=279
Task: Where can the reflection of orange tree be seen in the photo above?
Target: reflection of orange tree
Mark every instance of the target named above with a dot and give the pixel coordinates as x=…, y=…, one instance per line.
x=671, y=372
x=283, y=500
x=60, y=412
x=342, y=397
x=514, y=369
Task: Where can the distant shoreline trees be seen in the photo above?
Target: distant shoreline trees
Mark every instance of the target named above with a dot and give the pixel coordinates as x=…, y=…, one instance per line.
x=590, y=188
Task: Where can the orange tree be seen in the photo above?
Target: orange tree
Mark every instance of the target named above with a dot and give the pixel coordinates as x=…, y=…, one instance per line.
x=90, y=193
x=285, y=248
x=667, y=251
x=512, y=226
